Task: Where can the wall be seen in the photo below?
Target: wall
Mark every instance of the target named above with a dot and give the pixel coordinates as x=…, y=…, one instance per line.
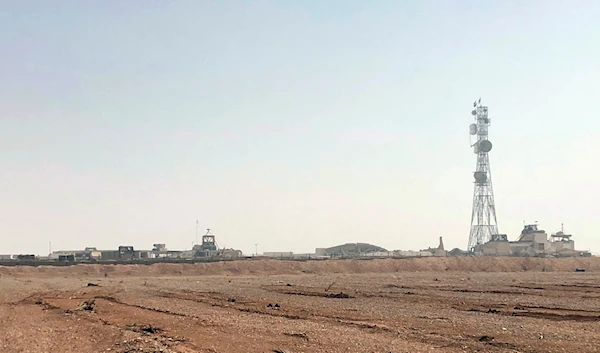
x=378, y=254
x=500, y=248
x=279, y=254
x=406, y=253
x=110, y=255
x=559, y=245
x=521, y=248
x=569, y=245
x=540, y=238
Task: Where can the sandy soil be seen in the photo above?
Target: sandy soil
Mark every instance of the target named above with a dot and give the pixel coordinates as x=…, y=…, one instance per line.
x=421, y=305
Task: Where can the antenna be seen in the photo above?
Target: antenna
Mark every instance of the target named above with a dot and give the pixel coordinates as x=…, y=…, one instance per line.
x=483, y=217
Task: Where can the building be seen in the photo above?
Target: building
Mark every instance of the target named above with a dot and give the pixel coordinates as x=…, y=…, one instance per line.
x=279, y=255
x=439, y=251
x=497, y=246
x=125, y=253
x=350, y=250
x=412, y=253
x=560, y=241
x=231, y=253
x=531, y=242
x=210, y=249
x=161, y=251
x=24, y=257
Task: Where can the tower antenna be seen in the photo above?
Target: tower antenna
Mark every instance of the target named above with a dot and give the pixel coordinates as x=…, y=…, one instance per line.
x=483, y=217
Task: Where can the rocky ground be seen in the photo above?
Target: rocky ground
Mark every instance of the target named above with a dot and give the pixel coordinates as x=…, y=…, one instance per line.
x=85, y=310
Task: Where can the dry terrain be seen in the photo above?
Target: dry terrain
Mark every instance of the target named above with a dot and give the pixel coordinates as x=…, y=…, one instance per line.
x=376, y=306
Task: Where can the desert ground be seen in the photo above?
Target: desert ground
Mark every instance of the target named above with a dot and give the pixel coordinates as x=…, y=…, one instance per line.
x=375, y=306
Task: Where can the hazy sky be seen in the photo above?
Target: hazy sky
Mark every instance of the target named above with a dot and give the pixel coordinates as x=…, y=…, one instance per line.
x=292, y=124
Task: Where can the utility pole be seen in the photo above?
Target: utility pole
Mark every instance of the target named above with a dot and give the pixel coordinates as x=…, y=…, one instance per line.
x=196, y=231
x=256, y=249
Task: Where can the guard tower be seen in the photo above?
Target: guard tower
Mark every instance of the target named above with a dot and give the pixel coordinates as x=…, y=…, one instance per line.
x=483, y=217
x=208, y=241
x=561, y=235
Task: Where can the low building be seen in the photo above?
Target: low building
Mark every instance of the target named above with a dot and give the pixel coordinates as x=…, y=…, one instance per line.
x=85, y=254
x=125, y=253
x=231, y=253
x=279, y=255
x=109, y=255
x=498, y=246
x=66, y=258
x=350, y=250
x=378, y=254
x=406, y=253
x=24, y=257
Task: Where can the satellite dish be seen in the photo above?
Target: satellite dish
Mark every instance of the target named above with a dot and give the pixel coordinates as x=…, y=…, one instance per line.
x=480, y=177
x=485, y=146
x=473, y=129
x=473, y=112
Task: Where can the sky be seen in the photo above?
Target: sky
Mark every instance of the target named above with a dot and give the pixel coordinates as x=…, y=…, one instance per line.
x=292, y=124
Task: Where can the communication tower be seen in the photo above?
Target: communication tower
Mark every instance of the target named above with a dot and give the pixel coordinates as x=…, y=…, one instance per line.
x=483, y=218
